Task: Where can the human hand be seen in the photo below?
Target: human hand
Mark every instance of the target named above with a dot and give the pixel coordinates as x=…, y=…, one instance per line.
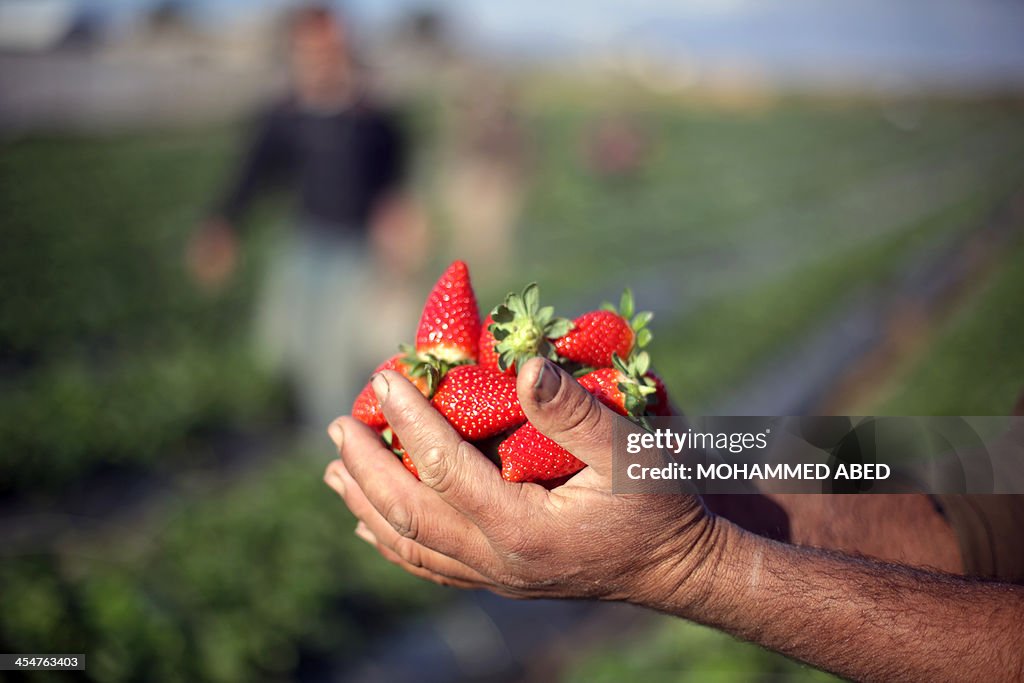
x=464, y=525
x=212, y=254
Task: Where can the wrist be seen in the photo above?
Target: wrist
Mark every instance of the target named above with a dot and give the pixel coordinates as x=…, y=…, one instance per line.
x=700, y=579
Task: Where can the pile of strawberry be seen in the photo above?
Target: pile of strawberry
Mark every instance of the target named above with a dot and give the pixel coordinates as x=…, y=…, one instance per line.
x=468, y=371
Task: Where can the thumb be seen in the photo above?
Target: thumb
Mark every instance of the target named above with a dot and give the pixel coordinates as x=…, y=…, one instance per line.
x=568, y=414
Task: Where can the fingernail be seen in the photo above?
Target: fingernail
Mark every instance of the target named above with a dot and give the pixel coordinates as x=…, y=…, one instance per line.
x=336, y=433
x=548, y=381
x=380, y=387
x=335, y=482
x=363, y=532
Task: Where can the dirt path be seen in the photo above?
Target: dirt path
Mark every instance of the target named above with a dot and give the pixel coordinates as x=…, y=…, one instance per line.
x=840, y=362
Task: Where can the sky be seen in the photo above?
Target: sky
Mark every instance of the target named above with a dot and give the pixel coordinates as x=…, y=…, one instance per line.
x=959, y=39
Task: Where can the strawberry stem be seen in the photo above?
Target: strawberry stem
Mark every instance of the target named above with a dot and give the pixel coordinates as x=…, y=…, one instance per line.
x=523, y=329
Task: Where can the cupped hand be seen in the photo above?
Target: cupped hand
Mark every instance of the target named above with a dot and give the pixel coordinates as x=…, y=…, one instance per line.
x=463, y=525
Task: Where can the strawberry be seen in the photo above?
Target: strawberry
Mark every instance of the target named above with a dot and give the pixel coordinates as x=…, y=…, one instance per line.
x=598, y=335
x=528, y=455
x=409, y=465
x=391, y=439
x=478, y=402
x=424, y=375
x=624, y=387
x=658, y=403
x=522, y=329
x=449, y=328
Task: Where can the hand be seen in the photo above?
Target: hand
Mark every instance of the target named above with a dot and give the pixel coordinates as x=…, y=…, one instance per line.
x=212, y=254
x=464, y=525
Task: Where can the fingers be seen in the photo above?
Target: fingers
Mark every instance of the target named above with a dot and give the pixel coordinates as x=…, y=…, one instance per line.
x=452, y=467
x=410, y=551
x=565, y=412
x=422, y=571
x=412, y=509
x=436, y=577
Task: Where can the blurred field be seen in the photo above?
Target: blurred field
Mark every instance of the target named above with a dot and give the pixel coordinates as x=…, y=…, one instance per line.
x=743, y=227
x=975, y=364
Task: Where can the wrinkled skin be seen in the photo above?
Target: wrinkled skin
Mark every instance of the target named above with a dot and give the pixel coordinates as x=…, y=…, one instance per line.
x=463, y=525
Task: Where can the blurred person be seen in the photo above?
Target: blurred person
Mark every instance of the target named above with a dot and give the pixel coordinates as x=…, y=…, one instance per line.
x=483, y=187
x=616, y=147
x=877, y=587
x=344, y=159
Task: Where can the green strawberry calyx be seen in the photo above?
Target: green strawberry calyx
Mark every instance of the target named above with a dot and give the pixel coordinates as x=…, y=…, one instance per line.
x=428, y=366
x=523, y=329
x=388, y=437
x=634, y=383
x=391, y=441
x=637, y=321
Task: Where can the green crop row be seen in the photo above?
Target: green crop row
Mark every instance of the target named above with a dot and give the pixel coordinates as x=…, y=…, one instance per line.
x=241, y=585
x=108, y=354
x=72, y=415
x=975, y=363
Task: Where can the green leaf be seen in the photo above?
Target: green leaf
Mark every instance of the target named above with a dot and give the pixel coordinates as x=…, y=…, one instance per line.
x=626, y=304
x=558, y=328
x=515, y=304
x=502, y=314
x=642, y=363
x=619, y=365
x=635, y=406
x=641, y=320
x=433, y=379
x=531, y=297
x=643, y=338
x=579, y=371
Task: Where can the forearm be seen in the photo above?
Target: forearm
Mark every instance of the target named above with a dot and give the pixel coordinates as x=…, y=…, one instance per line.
x=895, y=528
x=856, y=617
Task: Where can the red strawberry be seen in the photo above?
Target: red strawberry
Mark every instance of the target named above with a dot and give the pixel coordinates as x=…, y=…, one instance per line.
x=449, y=328
x=528, y=455
x=598, y=335
x=624, y=388
x=478, y=402
x=520, y=329
x=391, y=439
x=488, y=356
x=407, y=461
x=366, y=408
x=658, y=403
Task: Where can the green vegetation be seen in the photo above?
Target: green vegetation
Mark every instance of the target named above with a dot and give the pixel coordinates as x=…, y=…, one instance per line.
x=680, y=652
x=761, y=222
x=720, y=190
x=975, y=363
x=703, y=350
x=108, y=354
x=228, y=587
